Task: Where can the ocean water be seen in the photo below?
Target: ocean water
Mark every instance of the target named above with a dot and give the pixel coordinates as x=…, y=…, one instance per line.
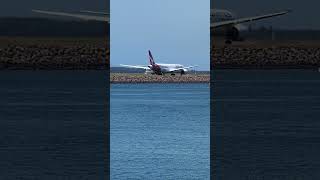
x=160, y=131
x=52, y=125
x=265, y=124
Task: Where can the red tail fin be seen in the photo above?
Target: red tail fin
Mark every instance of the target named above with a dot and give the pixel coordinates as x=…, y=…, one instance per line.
x=151, y=60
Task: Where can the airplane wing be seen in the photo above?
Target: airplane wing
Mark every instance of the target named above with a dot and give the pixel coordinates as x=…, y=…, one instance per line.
x=79, y=16
x=95, y=12
x=189, y=67
x=181, y=69
x=248, y=19
x=136, y=67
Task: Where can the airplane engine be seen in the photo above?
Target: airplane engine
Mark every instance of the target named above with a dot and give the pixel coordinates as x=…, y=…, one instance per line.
x=234, y=33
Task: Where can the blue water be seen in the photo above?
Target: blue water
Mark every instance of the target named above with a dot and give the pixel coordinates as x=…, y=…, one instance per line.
x=52, y=125
x=160, y=131
x=265, y=124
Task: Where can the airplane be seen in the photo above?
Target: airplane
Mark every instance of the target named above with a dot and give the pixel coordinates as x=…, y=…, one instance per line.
x=224, y=22
x=160, y=69
x=98, y=16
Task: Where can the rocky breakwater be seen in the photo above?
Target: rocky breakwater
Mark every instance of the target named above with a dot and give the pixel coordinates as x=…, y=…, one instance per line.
x=53, y=57
x=143, y=78
x=265, y=57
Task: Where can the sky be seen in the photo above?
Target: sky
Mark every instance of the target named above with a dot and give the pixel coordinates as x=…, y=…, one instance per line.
x=176, y=31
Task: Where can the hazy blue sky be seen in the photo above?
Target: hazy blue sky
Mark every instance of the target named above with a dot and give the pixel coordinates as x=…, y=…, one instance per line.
x=176, y=31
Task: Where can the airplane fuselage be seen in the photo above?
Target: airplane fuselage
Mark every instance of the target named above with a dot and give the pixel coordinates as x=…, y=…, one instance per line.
x=168, y=66
x=161, y=68
x=218, y=15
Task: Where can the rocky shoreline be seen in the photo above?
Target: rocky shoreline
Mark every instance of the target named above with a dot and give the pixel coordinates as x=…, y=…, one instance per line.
x=278, y=57
x=53, y=57
x=93, y=54
x=51, y=54
x=143, y=78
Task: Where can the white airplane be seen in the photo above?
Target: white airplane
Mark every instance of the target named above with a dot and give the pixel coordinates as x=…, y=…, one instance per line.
x=159, y=68
x=225, y=23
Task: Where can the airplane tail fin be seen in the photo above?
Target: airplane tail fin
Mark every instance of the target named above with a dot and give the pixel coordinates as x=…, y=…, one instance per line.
x=151, y=60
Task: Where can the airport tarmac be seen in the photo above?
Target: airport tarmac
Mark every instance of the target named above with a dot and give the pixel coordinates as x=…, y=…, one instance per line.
x=149, y=78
